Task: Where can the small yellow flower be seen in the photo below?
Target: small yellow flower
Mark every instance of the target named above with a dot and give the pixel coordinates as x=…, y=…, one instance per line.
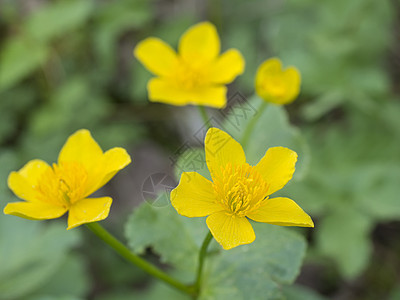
x=51, y=191
x=239, y=191
x=197, y=74
x=276, y=85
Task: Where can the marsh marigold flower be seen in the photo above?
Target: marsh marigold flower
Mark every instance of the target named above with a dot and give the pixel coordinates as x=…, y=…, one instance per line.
x=197, y=74
x=51, y=191
x=239, y=191
x=277, y=85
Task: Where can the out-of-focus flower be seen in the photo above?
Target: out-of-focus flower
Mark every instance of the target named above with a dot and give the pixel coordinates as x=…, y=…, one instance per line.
x=51, y=191
x=197, y=74
x=277, y=85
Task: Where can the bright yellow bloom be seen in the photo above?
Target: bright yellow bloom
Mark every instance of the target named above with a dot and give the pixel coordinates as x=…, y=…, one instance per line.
x=51, y=191
x=239, y=191
x=276, y=85
x=197, y=74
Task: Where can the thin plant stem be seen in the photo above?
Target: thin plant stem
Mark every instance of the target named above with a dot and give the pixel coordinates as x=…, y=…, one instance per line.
x=122, y=250
x=204, y=116
x=250, y=126
x=202, y=255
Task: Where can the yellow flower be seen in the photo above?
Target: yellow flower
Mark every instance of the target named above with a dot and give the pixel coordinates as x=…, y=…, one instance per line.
x=51, y=191
x=276, y=85
x=239, y=191
x=197, y=74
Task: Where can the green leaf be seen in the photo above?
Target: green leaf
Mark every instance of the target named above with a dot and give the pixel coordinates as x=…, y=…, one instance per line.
x=323, y=104
x=30, y=254
x=347, y=70
x=58, y=18
x=162, y=291
x=112, y=20
x=45, y=297
x=175, y=238
x=344, y=237
x=71, y=282
x=158, y=290
x=395, y=293
x=351, y=185
x=14, y=104
x=272, y=129
x=19, y=57
x=378, y=190
x=253, y=270
x=298, y=292
x=73, y=105
x=257, y=270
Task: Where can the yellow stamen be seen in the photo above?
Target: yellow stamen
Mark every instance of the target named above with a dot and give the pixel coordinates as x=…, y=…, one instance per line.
x=63, y=184
x=240, y=189
x=189, y=76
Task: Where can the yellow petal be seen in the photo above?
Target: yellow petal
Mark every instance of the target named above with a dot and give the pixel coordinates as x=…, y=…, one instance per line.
x=222, y=149
x=267, y=72
x=293, y=81
x=82, y=148
x=230, y=230
x=162, y=90
x=281, y=211
x=194, y=196
x=227, y=67
x=33, y=170
x=88, y=210
x=156, y=56
x=34, y=211
x=270, y=67
x=22, y=183
x=277, y=167
x=112, y=161
x=200, y=43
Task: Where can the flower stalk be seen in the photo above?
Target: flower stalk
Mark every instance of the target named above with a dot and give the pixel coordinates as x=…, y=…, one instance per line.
x=204, y=116
x=202, y=256
x=149, y=268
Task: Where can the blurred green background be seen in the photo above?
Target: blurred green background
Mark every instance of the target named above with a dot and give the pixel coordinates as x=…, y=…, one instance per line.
x=68, y=64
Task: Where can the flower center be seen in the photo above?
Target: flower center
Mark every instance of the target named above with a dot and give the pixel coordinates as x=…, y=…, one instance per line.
x=190, y=76
x=240, y=189
x=63, y=184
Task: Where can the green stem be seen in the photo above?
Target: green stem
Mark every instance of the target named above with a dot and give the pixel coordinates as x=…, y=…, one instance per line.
x=204, y=116
x=122, y=250
x=202, y=255
x=250, y=126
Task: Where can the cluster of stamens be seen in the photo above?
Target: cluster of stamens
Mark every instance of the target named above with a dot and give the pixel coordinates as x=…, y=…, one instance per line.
x=62, y=184
x=240, y=189
x=189, y=76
